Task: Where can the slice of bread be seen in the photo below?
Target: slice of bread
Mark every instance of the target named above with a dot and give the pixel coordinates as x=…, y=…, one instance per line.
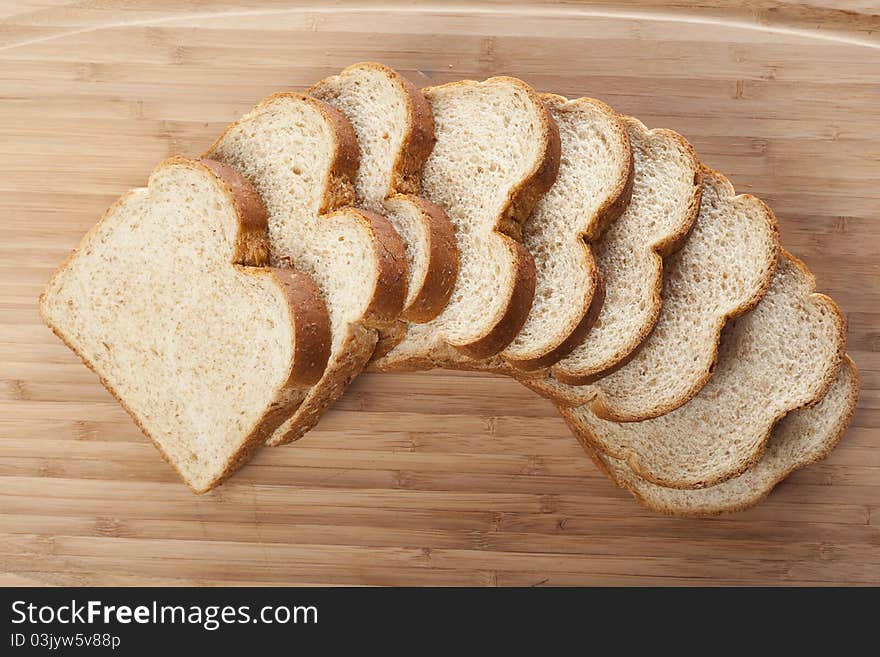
x=723, y=270
x=661, y=213
x=302, y=156
x=801, y=438
x=394, y=126
x=167, y=300
x=781, y=356
x=497, y=152
x=592, y=189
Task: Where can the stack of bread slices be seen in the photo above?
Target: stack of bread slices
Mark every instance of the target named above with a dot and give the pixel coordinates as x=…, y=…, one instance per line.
x=366, y=224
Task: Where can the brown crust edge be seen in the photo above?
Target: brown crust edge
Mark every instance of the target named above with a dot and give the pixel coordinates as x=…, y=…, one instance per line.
x=631, y=458
x=518, y=306
x=249, y=222
x=521, y=200
x=602, y=407
x=575, y=337
x=389, y=294
x=442, y=271
x=418, y=141
x=355, y=353
x=661, y=249
x=443, y=262
x=747, y=503
x=339, y=191
x=614, y=206
x=311, y=325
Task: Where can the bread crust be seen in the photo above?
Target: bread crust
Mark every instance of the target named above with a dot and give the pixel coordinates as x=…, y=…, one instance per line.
x=611, y=209
x=584, y=434
x=356, y=352
x=661, y=249
x=251, y=245
x=418, y=139
x=759, y=495
x=577, y=336
x=435, y=289
x=389, y=293
x=310, y=322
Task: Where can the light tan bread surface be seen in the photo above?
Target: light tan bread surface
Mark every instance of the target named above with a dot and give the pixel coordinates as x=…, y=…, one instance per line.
x=497, y=152
x=779, y=357
x=168, y=301
x=664, y=205
x=799, y=439
x=592, y=189
x=302, y=156
x=722, y=270
x=394, y=126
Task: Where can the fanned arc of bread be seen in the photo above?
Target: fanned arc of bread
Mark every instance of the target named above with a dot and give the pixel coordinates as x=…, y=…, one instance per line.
x=394, y=126
x=801, y=438
x=497, y=152
x=722, y=271
x=167, y=299
x=591, y=190
x=781, y=356
x=302, y=157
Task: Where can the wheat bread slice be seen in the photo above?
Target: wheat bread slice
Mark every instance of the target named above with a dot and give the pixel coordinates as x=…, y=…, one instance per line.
x=665, y=188
x=721, y=271
x=394, y=126
x=665, y=201
x=781, y=356
x=591, y=190
x=497, y=153
x=167, y=299
x=302, y=157
x=801, y=438
x=664, y=205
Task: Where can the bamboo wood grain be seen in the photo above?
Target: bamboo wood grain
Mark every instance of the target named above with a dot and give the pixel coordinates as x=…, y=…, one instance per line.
x=441, y=478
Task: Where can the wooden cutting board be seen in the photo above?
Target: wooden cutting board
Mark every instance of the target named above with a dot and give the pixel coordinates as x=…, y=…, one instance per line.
x=438, y=478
